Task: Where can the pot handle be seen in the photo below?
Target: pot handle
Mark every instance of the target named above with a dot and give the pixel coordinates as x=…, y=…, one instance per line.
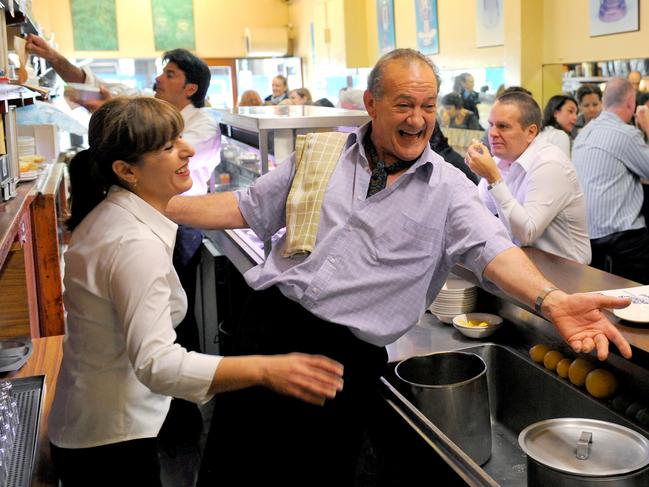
x=583, y=445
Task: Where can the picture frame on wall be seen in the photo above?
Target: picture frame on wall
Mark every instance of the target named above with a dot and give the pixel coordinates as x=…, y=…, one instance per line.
x=385, y=24
x=613, y=17
x=490, y=29
x=427, y=26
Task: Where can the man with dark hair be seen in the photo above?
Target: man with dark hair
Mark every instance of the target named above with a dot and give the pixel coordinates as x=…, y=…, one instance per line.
x=531, y=185
x=394, y=220
x=610, y=157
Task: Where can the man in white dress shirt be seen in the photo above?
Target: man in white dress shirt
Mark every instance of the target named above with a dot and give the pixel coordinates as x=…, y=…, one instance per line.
x=531, y=184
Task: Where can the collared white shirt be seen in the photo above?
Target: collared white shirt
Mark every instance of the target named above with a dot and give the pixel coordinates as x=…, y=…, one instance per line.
x=123, y=298
x=201, y=131
x=541, y=202
x=556, y=137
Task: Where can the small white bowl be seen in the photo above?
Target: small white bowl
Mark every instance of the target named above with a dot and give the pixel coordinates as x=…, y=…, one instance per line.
x=460, y=323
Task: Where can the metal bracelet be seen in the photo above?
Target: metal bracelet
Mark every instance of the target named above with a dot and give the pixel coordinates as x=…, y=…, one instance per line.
x=541, y=297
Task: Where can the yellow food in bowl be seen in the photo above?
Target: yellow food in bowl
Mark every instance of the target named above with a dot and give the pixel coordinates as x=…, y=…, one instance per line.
x=477, y=324
x=601, y=383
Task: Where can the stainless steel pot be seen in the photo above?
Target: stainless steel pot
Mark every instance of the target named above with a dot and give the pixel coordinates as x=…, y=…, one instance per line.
x=450, y=389
x=584, y=452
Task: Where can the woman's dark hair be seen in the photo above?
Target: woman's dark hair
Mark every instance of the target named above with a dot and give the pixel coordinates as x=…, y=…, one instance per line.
x=452, y=99
x=458, y=82
x=588, y=89
x=195, y=70
x=123, y=129
x=643, y=98
x=555, y=103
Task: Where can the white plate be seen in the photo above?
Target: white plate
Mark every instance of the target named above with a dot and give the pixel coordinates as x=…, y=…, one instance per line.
x=638, y=313
x=29, y=175
x=457, y=285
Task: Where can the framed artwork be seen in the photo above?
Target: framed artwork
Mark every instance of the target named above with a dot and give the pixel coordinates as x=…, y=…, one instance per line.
x=173, y=24
x=613, y=16
x=489, y=23
x=385, y=23
x=427, y=28
x=94, y=25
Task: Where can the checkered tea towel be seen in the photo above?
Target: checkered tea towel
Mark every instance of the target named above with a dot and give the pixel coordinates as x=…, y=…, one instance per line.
x=316, y=156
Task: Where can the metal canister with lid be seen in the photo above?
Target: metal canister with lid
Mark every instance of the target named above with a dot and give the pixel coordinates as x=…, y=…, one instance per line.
x=584, y=452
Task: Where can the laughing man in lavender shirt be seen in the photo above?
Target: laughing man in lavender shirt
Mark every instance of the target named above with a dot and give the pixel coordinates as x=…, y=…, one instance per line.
x=381, y=256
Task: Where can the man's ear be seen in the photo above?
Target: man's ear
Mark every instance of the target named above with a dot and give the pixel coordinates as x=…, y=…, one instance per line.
x=531, y=131
x=125, y=172
x=190, y=89
x=370, y=102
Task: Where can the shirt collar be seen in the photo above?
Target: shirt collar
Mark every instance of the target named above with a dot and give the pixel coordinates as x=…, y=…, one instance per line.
x=159, y=224
x=526, y=159
x=427, y=157
x=188, y=111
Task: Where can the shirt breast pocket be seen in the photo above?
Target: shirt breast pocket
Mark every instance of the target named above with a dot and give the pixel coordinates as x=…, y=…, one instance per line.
x=407, y=241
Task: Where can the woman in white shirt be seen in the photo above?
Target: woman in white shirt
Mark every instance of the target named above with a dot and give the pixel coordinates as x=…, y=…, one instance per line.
x=123, y=299
x=559, y=118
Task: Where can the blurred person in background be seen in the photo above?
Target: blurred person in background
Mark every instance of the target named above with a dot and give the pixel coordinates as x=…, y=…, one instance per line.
x=453, y=114
x=559, y=118
x=250, y=98
x=463, y=85
x=610, y=157
x=300, y=96
x=351, y=99
x=589, y=98
x=279, y=87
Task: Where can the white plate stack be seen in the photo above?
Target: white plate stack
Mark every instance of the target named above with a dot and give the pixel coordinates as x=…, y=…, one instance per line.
x=456, y=297
x=26, y=146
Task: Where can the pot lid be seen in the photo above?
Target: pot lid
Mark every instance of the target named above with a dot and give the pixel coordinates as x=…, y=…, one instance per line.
x=586, y=447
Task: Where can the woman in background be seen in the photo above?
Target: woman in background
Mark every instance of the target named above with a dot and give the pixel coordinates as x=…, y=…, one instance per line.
x=454, y=116
x=589, y=98
x=463, y=85
x=123, y=299
x=300, y=96
x=279, y=87
x=250, y=98
x=559, y=118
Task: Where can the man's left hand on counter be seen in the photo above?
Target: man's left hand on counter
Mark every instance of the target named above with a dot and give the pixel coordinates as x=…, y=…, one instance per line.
x=579, y=319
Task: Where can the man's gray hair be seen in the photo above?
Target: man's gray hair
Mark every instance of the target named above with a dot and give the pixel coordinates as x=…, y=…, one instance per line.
x=530, y=110
x=616, y=92
x=375, y=79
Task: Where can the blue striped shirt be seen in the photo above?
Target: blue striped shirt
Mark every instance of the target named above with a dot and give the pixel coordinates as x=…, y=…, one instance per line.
x=610, y=157
x=378, y=261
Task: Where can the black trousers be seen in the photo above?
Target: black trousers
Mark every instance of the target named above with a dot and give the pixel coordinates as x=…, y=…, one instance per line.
x=258, y=437
x=624, y=254
x=128, y=463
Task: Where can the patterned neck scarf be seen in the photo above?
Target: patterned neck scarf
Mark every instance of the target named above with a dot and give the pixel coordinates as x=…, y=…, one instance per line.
x=380, y=170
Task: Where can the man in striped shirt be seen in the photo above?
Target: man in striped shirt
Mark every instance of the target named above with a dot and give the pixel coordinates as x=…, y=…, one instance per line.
x=610, y=156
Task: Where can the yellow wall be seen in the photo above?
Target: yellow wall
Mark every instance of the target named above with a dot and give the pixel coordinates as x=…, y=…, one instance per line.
x=566, y=37
x=218, y=24
x=457, y=26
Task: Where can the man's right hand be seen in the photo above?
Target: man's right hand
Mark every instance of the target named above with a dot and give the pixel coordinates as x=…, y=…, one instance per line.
x=40, y=47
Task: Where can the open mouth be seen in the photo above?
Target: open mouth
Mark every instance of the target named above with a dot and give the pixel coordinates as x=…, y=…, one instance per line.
x=410, y=134
x=183, y=171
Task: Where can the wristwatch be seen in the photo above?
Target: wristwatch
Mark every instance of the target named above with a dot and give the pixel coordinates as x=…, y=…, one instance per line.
x=541, y=297
x=491, y=186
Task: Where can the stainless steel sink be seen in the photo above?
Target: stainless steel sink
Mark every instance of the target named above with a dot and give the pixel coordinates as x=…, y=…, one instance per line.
x=520, y=393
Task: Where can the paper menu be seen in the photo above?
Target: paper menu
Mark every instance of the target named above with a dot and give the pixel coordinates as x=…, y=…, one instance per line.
x=638, y=310
x=638, y=294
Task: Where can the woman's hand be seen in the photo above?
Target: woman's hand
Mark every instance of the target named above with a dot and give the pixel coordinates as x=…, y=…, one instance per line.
x=311, y=378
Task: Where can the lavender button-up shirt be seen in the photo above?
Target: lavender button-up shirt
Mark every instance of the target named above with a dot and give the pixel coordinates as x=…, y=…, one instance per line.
x=378, y=262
